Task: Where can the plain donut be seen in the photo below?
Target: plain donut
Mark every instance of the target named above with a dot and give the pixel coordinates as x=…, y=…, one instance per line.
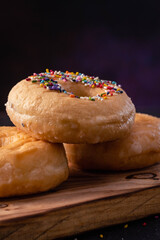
x=28, y=165
x=141, y=148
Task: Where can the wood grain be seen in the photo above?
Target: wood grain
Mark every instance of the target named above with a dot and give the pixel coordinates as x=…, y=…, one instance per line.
x=86, y=201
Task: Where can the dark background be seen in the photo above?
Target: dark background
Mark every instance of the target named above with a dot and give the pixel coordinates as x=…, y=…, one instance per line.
x=118, y=40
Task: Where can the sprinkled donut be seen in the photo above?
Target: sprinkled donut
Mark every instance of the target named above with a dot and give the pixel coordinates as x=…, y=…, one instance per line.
x=70, y=107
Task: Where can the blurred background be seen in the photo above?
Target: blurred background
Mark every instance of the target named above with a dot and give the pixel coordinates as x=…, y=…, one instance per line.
x=117, y=40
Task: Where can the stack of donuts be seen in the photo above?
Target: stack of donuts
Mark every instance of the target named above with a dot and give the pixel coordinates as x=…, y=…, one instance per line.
x=66, y=117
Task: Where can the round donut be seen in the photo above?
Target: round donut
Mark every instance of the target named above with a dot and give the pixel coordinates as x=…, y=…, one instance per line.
x=141, y=148
x=69, y=107
x=28, y=165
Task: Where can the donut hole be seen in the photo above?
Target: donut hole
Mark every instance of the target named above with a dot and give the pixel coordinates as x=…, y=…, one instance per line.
x=79, y=89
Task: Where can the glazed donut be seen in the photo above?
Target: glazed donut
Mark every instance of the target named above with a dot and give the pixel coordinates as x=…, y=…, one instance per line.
x=70, y=108
x=141, y=148
x=28, y=165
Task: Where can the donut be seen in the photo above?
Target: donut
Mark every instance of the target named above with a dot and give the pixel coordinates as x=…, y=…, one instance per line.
x=139, y=149
x=67, y=107
x=28, y=165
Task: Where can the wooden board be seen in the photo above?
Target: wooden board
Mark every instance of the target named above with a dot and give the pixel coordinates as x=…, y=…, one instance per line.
x=85, y=202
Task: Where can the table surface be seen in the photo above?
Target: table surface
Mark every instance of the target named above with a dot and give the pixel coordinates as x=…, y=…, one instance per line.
x=143, y=229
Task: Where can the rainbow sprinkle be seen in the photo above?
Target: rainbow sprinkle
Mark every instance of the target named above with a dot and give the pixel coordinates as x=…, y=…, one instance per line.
x=126, y=226
x=144, y=224
x=49, y=81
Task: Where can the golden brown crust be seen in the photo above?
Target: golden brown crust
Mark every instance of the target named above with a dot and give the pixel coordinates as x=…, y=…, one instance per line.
x=56, y=117
x=28, y=165
x=141, y=148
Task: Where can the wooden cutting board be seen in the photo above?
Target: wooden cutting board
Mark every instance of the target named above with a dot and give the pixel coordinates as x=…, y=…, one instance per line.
x=85, y=202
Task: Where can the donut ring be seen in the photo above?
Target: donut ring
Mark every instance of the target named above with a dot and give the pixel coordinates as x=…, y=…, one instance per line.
x=57, y=107
x=141, y=148
x=28, y=165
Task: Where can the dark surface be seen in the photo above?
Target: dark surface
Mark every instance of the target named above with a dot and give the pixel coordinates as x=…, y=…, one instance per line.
x=134, y=231
x=144, y=229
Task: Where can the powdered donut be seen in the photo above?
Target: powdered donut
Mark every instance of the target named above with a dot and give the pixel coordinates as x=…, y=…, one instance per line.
x=141, y=148
x=28, y=165
x=70, y=108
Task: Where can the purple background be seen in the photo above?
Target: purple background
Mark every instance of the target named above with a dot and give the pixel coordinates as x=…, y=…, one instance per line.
x=108, y=39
